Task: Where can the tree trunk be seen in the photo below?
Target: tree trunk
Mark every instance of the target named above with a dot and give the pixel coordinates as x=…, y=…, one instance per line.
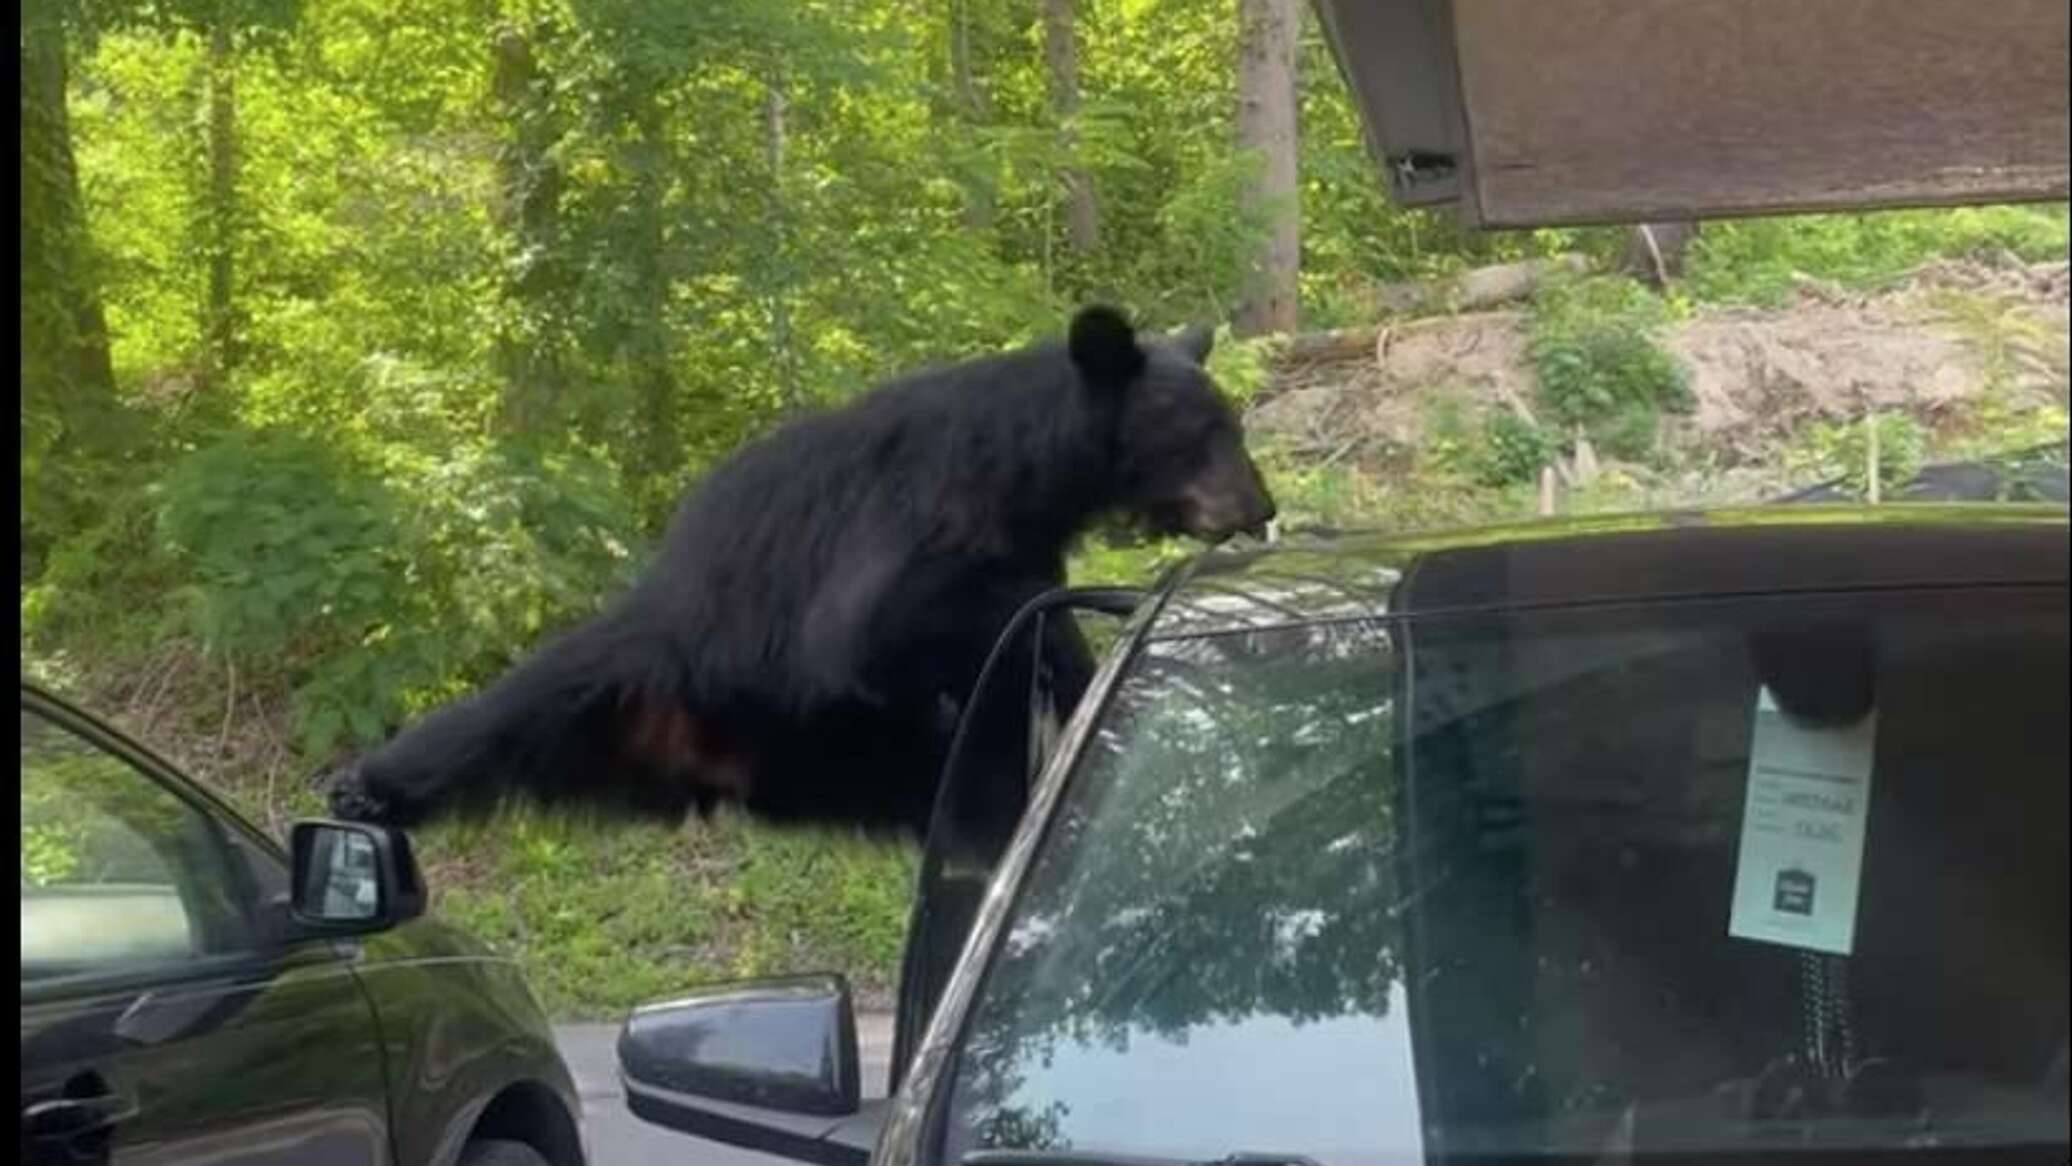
x=1654, y=252
x=973, y=110
x=774, y=106
x=529, y=211
x=773, y=129
x=1266, y=126
x=69, y=337
x=1061, y=59
x=662, y=452
x=219, y=320
x=69, y=408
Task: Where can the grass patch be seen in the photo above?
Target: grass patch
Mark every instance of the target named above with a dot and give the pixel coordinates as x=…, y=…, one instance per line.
x=1759, y=261
x=604, y=916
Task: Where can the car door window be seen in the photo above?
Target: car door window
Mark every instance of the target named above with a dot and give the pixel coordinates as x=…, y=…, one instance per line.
x=119, y=873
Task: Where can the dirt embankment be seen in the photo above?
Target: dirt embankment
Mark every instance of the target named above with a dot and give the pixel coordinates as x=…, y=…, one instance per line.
x=1758, y=375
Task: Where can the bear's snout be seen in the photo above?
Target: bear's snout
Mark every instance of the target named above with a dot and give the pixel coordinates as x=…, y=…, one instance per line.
x=1213, y=514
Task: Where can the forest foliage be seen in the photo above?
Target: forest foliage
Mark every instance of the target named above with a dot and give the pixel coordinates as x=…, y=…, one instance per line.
x=365, y=343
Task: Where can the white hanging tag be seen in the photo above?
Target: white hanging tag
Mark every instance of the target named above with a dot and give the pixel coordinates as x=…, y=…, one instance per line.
x=1797, y=876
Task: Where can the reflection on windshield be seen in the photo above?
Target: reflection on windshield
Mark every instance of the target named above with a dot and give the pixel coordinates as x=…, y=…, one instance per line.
x=1371, y=890
x=1220, y=888
x=1217, y=1074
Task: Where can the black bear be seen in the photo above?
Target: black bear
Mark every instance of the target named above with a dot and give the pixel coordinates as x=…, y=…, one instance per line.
x=824, y=601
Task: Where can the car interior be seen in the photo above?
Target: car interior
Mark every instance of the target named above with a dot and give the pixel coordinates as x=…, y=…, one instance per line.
x=1575, y=781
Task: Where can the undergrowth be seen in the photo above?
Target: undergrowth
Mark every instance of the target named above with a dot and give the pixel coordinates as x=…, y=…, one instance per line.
x=1761, y=261
x=1601, y=370
x=1840, y=450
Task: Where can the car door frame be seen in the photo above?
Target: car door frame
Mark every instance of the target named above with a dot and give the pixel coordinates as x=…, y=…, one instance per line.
x=914, y=1120
x=945, y=900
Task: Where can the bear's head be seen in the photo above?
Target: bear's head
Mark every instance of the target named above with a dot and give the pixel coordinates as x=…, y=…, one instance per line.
x=1180, y=459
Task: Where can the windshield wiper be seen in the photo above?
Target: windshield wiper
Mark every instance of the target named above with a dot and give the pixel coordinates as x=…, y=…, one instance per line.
x=1090, y=1158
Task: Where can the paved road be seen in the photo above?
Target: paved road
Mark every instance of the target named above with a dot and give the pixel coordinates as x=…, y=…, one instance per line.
x=617, y=1138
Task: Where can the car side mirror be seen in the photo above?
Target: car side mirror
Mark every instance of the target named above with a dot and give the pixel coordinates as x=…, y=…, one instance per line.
x=351, y=878
x=787, y=1044
x=762, y=1064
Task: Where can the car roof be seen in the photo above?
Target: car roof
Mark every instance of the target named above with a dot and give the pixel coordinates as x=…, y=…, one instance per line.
x=1616, y=559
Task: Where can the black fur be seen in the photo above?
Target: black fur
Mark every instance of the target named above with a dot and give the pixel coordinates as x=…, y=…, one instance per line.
x=822, y=603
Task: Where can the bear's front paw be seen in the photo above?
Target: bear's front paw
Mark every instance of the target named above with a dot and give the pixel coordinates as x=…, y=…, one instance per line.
x=352, y=801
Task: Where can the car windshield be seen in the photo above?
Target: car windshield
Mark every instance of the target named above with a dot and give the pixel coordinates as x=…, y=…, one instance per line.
x=1633, y=882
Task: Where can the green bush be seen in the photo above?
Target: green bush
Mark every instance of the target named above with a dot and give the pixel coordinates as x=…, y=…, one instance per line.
x=1600, y=369
x=283, y=539
x=1513, y=450
x=493, y=549
x=297, y=557
x=366, y=588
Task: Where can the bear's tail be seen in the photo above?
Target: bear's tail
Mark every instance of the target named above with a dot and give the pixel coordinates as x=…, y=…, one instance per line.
x=600, y=719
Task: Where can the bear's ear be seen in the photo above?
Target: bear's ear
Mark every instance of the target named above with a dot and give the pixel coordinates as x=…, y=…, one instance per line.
x=1104, y=347
x=1196, y=342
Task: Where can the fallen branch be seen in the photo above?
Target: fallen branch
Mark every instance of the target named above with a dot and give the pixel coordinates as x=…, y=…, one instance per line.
x=1475, y=290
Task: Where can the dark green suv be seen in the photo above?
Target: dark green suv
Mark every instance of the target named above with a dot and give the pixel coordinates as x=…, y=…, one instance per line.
x=191, y=993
